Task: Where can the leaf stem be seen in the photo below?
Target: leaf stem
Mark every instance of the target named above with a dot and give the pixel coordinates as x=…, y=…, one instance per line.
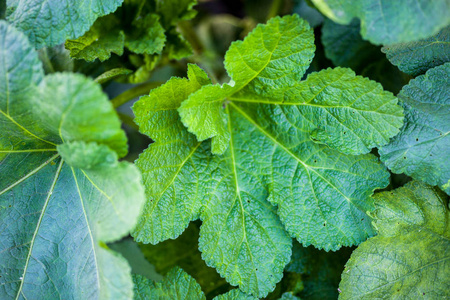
x=128, y=120
x=134, y=92
x=274, y=9
x=191, y=36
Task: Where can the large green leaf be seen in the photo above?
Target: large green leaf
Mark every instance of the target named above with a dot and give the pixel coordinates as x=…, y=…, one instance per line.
x=321, y=193
x=348, y=113
x=387, y=21
x=421, y=148
x=409, y=259
x=51, y=22
x=416, y=58
x=63, y=194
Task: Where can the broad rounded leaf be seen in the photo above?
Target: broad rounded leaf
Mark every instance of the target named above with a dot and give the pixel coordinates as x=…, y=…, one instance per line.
x=416, y=58
x=51, y=22
x=269, y=159
x=409, y=259
x=420, y=150
x=274, y=54
x=387, y=21
x=57, y=214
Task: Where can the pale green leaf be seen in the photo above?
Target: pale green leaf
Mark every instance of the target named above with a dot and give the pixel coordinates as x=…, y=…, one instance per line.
x=387, y=21
x=409, y=259
x=55, y=217
x=173, y=11
x=177, y=284
x=421, y=148
x=51, y=22
x=79, y=111
x=416, y=58
x=102, y=39
x=112, y=74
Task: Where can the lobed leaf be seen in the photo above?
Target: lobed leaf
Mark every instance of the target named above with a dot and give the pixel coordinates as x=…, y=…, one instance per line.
x=51, y=22
x=60, y=201
x=321, y=193
x=409, y=257
x=421, y=148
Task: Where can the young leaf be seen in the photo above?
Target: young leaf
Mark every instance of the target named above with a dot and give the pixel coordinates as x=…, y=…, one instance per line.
x=51, y=22
x=321, y=193
x=409, y=259
x=102, y=39
x=389, y=22
x=349, y=113
x=62, y=191
x=421, y=148
x=416, y=58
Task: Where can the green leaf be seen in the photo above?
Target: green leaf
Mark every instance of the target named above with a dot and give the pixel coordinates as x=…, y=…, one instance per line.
x=177, y=284
x=321, y=193
x=416, y=58
x=235, y=294
x=102, y=39
x=172, y=12
x=147, y=35
x=266, y=53
x=56, y=214
x=79, y=111
x=51, y=22
x=351, y=114
x=112, y=74
x=421, y=148
x=409, y=259
x=389, y=22
x=345, y=47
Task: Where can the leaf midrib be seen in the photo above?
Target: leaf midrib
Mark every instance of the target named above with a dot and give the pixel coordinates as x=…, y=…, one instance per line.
x=52, y=187
x=276, y=142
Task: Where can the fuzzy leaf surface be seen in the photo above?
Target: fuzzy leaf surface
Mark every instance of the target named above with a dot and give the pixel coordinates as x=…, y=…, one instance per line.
x=409, y=258
x=269, y=159
x=421, y=148
x=57, y=213
x=416, y=58
x=388, y=22
x=177, y=284
x=51, y=22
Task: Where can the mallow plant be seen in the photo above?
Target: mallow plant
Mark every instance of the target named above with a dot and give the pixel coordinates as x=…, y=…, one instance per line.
x=298, y=151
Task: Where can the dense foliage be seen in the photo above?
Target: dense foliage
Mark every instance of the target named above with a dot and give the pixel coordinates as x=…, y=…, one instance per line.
x=275, y=149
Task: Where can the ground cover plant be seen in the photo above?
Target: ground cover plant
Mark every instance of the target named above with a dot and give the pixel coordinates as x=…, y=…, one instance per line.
x=224, y=149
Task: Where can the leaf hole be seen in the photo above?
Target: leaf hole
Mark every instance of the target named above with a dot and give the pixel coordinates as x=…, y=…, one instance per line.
x=9, y=205
x=315, y=160
x=404, y=157
x=362, y=219
x=345, y=132
x=324, y=224
x=423, y=294
x=417, y=140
